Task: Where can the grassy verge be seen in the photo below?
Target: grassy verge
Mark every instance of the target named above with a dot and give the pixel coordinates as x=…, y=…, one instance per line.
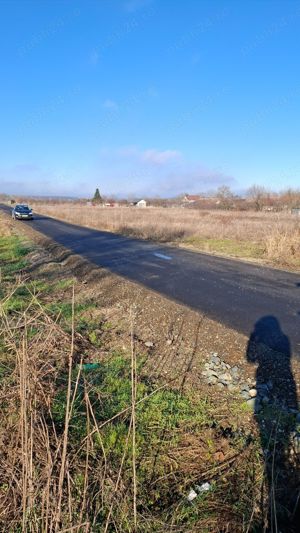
x=90, y=441
x=230, y=247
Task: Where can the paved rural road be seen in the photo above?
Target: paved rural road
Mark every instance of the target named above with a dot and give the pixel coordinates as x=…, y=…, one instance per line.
x=235, y=293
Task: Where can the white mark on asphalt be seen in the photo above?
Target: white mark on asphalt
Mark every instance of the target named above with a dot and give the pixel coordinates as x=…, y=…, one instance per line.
x=162, y=256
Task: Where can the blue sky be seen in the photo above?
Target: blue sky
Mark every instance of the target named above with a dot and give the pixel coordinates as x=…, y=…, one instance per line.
x=148, y=97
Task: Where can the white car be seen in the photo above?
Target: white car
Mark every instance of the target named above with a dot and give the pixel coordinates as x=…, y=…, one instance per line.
x=22, y=212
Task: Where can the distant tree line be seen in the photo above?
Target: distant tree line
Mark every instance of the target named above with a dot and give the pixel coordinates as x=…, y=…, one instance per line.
x=256, y=198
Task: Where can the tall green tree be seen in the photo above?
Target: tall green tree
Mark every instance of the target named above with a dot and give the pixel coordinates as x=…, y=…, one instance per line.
x=97, y=197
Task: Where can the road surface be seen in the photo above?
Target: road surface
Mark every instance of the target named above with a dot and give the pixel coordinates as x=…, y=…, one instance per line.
x=232, y=292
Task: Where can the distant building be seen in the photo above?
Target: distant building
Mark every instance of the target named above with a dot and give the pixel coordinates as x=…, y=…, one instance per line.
x=140, y=203
x=191, y=198
x=268, y=208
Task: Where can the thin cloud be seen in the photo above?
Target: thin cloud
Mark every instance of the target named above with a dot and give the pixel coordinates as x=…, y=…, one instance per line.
x=30, y=179
x=128, y=151
x=25, y=168
x=194, y=179
x=151, y=156
x=110, y=104
x=157, y=157
x=151, y=171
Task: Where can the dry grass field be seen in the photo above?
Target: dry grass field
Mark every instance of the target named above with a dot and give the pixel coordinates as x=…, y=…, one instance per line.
x=272, y=237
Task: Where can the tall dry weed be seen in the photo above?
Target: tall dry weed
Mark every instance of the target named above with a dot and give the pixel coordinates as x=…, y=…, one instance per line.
x=283, y=245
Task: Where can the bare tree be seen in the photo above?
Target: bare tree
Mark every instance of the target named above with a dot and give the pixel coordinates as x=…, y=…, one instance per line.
x=258, y=196
x=225, y=196
x=290, y=198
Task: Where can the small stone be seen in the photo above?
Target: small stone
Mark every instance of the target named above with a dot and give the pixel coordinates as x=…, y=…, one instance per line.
x=215, y=359
x=191, y=495
x=203, y=488
x=252, y=393
x=212, y=373
x=169, y=342
x=251, y=403
x=235, y=370
x=221, y=386
x=245, y=394
x=245, y=387
x=225, y=377
x=149, y=344
x=231, y=387
x=212, y=379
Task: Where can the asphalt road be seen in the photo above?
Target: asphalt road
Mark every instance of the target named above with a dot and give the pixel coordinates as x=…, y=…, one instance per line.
x=235, y=293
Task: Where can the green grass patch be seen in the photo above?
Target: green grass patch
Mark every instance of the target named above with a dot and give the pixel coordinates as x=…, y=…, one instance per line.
x=162, y=419
x=64, y=284
x=84, y=324
x=24, y=295
x=230, y=247
x=13, y=252
x=64, y=309
x=167, y=420
x=109, y=385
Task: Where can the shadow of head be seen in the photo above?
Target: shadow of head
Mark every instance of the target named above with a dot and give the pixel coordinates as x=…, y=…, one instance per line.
x=267, y=331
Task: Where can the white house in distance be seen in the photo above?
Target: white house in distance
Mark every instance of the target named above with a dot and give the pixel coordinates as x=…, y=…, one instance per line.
x=191, y=198
x=140, y=203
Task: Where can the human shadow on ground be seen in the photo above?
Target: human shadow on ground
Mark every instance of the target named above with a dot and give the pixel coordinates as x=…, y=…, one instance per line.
x=276, y=415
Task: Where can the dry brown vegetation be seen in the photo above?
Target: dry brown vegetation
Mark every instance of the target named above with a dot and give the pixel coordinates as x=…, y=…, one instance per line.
x=269, y=236
x=104, y=447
